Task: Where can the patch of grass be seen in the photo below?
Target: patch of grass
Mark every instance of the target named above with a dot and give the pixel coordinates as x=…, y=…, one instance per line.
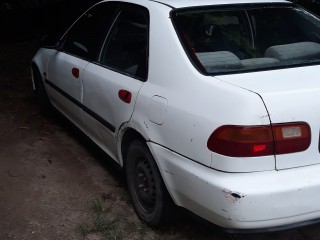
x=101, y=223
x=113, y=234
x=84, y=229
x=98, y=208
x=142, y=229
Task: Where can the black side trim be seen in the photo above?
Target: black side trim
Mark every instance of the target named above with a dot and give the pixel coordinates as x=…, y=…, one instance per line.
x=83, y=107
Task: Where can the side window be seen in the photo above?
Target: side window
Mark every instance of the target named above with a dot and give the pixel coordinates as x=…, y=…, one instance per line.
x=86, y=36
x=126, y=49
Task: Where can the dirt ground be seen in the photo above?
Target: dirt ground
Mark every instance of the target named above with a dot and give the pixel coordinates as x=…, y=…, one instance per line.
x=55, y=184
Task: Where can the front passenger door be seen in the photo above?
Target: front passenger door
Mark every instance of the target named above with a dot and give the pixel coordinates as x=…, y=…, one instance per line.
x=80, y=45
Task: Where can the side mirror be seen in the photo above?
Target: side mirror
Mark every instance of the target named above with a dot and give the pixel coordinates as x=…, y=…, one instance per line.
x=49, y=41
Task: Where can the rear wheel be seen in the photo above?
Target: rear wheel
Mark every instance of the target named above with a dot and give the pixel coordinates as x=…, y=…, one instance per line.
x=150, y=198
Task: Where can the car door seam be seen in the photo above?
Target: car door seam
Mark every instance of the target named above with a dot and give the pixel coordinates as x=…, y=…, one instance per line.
x=83, y=107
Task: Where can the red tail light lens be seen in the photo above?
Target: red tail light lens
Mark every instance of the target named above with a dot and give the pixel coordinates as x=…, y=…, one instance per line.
x=254, y=141
x=290, y=138
x=242, y=141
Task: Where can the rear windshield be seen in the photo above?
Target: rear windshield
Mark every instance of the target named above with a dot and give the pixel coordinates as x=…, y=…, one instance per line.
x=240, y=38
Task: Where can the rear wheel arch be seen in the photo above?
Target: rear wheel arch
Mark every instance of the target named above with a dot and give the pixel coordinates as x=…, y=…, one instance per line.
x=128, y=137
x=155, y=207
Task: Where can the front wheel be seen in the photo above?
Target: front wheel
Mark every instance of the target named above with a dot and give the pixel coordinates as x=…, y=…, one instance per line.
x=149, y=195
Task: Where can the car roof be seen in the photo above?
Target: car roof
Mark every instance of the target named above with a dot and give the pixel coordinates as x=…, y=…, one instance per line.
x=192, y=3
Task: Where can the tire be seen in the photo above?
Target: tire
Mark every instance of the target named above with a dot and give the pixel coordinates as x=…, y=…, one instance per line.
x=41, y=95
x=149, y=195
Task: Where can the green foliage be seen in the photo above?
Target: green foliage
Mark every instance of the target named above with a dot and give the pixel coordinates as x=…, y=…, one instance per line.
x=101, y=223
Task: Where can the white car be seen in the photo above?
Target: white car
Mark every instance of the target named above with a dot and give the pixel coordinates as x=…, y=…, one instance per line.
x=213, y=105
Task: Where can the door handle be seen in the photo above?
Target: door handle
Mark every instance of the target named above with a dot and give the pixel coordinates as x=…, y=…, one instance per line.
x=125, y=96
x=75, y=72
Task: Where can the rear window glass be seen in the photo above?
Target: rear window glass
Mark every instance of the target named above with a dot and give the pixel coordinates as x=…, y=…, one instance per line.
x=248, y=37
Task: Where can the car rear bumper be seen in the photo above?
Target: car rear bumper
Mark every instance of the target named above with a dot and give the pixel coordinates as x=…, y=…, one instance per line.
x=268, y=199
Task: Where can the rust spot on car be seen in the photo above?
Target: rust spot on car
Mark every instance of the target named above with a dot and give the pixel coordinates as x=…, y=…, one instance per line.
x=231, y=196
x=236, y=195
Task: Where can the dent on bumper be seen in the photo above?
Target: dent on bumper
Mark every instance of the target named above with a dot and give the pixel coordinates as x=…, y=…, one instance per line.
x=241, y=200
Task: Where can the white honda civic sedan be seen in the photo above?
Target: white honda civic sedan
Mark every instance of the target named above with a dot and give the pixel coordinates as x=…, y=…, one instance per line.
x=210, y=105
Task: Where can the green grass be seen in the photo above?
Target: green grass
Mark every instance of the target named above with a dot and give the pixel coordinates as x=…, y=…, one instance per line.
x=101, y=223
x=98, y=208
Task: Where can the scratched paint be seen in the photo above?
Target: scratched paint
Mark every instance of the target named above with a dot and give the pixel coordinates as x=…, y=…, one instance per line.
x=232, y=197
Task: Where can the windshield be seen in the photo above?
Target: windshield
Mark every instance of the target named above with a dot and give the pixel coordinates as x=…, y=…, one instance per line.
x=248, y=37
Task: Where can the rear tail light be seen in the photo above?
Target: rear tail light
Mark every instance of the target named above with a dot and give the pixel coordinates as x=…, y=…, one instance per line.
x=254, y=141
x=289, y=138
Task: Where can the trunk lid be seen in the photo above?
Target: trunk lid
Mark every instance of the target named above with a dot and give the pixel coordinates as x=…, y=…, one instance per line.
x=290, y=95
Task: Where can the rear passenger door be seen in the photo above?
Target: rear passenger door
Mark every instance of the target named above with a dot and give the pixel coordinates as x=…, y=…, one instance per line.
x=112, y=83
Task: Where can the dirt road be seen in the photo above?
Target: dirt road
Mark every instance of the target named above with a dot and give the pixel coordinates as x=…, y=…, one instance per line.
x=55, y=184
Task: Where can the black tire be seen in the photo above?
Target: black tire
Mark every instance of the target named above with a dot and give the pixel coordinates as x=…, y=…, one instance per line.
x=41, y=95
x=149, y=195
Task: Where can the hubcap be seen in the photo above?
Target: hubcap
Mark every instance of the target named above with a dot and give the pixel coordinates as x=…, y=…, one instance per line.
x=145, y=186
